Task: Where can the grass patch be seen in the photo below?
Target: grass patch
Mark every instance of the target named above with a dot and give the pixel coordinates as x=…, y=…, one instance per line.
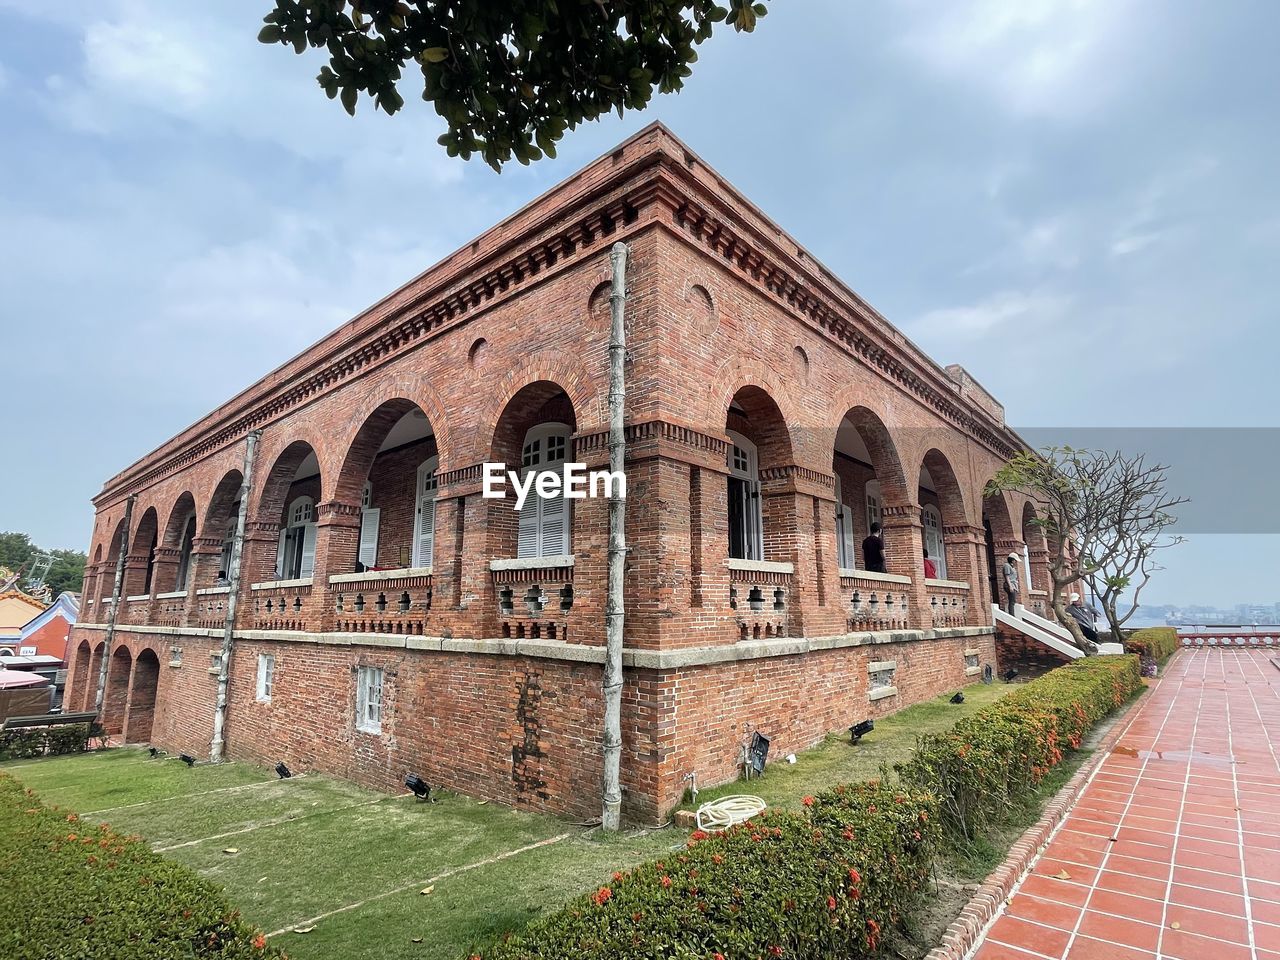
x=835, y=760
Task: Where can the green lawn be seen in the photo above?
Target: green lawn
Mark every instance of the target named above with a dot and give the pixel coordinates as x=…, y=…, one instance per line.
x=351, y=863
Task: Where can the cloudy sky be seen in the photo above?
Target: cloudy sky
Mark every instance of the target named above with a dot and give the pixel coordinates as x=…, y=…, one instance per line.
x=1076, y=199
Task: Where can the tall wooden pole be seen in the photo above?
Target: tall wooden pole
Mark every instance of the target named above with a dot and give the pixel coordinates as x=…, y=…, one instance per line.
x=233, y=594
x=613, y=611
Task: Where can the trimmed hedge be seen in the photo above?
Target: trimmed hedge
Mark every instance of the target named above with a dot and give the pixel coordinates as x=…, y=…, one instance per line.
x=823, y=883
x=74, y=889
x=989, y=761
x=26, y=743
x=1153, y=643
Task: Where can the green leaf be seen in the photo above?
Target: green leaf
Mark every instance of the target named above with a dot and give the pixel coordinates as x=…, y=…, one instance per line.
x=271, y=33
x=349, y=94
x=434, y=55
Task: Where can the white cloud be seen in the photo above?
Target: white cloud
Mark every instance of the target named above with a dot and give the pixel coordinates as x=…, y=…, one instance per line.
x=1003, y=312
x=1054, y=57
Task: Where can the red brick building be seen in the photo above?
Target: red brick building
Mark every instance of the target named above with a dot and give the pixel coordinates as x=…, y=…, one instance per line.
x=392, y=619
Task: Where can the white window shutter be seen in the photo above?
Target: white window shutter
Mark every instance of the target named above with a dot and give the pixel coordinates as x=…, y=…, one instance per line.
x=281, y=573
x=424, y=520
x=308, y=550
x=528, y=519
x=369, y=520
x=555, y=526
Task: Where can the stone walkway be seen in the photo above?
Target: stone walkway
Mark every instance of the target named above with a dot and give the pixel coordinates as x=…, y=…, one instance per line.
x=1174, y=847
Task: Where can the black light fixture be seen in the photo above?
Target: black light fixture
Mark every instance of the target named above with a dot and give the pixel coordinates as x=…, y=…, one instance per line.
x=758, y=753
x=188, y=759
x=958, y=697
x=282, y=771
x=153, y=751
x=860, y=730
x=1009, y=675
x=421, y=789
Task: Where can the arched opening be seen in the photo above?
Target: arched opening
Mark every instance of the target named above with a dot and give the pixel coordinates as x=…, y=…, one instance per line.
x=941, y=505
x=91, y=686
x=289, y=497
x=390, y=470
x=74, y=698
x=179, y=535
x=142, y=697
x=117, y=542
x=864, y=453
x=997, y=523
x=1035, y=551
x=535, y=430
x=141, y=562
x=758, y=442
x=93, y=580
x=220, y=524
x=116, y=698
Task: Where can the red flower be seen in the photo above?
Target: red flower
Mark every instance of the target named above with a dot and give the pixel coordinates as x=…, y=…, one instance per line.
x=259, y=942
x=635, y=917
x=666, y=881
x=775, y=950
x=807, y=801
x=601, y=896
x=854, y=877
x=848, y=834
x=617, y=877
x=716, y=858
x=831, y=903
x=718, y=956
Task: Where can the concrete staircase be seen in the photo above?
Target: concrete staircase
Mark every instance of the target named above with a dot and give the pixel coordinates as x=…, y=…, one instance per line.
x=1033, y=645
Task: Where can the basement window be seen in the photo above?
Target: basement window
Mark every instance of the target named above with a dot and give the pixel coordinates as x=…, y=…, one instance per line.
x=369, y=700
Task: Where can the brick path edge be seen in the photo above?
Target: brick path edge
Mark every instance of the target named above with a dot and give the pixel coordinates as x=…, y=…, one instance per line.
x=966, y=930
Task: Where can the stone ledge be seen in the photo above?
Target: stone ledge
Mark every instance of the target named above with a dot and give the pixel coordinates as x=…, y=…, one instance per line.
x=953, y=584
x=874, y=577
x=877, y=665
x=574, y=652
x=171, y=595
x=972, y=671
x=985, y=905
x=532, y=563
x=882, y=693
x=760, y=566
x=372, y=576
x=281, y=584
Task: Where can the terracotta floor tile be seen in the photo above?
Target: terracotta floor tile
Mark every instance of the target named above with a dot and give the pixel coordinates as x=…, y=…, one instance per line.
x=1127, y=905
x=1184, y=946
x=1136, y=886
x=1266, y=935
x=1061, y=891
x=1206, y=899
x=1086, y=948
x=1000, y=951
x=1141, y=866
x=1206, y=923
x=1017, y=932
x=1212, y=881
x=1051, y=913
x=1118, y=930
x=1264, y=911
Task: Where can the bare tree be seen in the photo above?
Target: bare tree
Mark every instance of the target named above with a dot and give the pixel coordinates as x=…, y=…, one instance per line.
x=1105, y=514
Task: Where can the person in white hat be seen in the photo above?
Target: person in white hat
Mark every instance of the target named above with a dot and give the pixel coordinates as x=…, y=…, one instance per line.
x=1087, y=617
x=1011, y=585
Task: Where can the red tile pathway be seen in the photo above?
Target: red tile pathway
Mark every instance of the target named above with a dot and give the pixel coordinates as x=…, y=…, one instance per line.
x=1173, y=850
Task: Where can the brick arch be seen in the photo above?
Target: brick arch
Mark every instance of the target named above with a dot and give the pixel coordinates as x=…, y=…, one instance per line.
x=218, y=510
x=1032, y=532
x=998, y=508
x=184, y=505
x=116, y=697
x=884, y=449
x=751, y=374
x=569, y=375
x=95, y=668
x=143, y=686
x=951, y=498
x=79, y=676
x=344, y=477
x=267, y=503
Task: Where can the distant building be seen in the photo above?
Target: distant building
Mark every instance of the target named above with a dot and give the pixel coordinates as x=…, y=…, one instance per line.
x=16, y=608
x=47, y=633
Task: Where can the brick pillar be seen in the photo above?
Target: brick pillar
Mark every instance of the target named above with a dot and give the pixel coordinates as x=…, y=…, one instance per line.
x=463, y=602
x=904, y=555
x=831, y=616
x=965, y=545
x=258, y=554
x=1040, y=566
x=135, y=574
x=206, y=561
x=337, y=547
x=709, y=543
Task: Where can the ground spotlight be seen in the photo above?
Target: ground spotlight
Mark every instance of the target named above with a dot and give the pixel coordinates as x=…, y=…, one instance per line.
x=188, y=759
x=860, y=730
x=958, y=698
x=153, y=751
x=282, y=771
x=1009, y=675
x=421, y=789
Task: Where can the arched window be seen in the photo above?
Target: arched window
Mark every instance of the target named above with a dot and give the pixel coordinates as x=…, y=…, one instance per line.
x=367, y=554
x=873, y=503
x=933, y=541
x=746, y=533
x=296, y=553
x=228, y=542
x=424, y=516
x=845, y=552
x=184, y=553
x=544, y=521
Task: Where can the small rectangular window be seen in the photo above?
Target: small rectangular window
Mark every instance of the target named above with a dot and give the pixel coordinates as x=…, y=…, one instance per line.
x=369, y=700
x=266, y=676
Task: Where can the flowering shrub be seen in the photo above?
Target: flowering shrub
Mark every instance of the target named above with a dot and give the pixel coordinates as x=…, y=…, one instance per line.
x=77, y=889
x=992, y=759
x=828, y=882
x=1153, y=643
